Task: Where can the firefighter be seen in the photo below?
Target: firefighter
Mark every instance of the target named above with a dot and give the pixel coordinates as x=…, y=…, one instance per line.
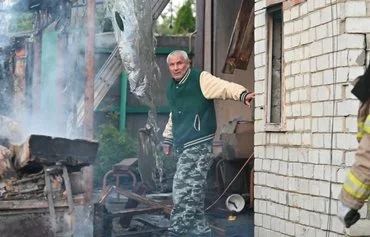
x=356, y=188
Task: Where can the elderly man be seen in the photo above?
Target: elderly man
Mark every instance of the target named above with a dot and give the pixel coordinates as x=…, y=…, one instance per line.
x=190, y=131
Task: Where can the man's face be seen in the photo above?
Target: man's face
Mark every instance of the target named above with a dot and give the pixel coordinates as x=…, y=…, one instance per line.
x=178, y=66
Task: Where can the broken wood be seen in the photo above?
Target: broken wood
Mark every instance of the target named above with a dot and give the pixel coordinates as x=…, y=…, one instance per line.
x=166, y=209
x=242, y=39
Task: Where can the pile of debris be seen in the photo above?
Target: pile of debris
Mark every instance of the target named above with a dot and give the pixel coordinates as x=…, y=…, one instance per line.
x=40, y=181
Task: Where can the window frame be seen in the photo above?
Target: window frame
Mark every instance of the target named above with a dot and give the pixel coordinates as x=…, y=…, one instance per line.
x=270, y=126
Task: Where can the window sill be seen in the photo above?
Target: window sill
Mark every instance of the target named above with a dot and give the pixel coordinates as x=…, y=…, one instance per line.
x=274, y=127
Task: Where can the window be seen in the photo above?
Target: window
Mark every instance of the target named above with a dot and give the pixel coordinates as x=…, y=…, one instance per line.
x=274, y=111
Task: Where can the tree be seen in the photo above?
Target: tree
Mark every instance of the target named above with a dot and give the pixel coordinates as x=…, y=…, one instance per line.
x=185, y=21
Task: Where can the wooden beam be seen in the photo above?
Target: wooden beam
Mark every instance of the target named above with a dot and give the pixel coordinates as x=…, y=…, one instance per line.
x=144, y=200
x=135, y=211
x=242, y=39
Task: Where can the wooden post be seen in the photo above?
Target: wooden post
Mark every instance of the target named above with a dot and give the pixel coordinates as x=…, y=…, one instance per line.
x=89, y=90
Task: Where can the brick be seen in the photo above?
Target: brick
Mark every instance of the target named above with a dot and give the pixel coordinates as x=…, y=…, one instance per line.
x=260, y=19
x=357, y=25
x=287, y=15
x=318, y=3
x=338, y=125
x=289, y=56
x=342, y=74
x=326, y=15
x=355, y=72
x=313, y=65
x=297, y=25
x=303, y=9
x=305, y=66
x=328, y=108
x=314, y=187
x=306, y=109
x=327, y=45
x=259, y=5
x=351, y=41
x=321, y=31
x=347, y=107
x=295, y=12
x=260, y=47
x=349, y=158
x=288, y=28
x=355, y=8
x=258, y=219
x=287, y=42
x=304, y=217
x=346, y=141
x=266, y=222
x=317, y=141
x=324, y=93
x=260, y=74
x=260, y=33
x=314, y=18
x=318, y=109
x=351, y=124
x=296, y=40
x=316, y=48
x=289, y=228
x=315, y=220
x=319, y=172
x=356, y=57
x=323, y=62
x=266, y=165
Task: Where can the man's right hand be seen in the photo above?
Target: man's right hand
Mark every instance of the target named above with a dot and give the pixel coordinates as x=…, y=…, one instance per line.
x=166, y=149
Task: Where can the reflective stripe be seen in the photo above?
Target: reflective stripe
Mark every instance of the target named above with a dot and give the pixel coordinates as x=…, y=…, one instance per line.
x=355, y=187
x=366, y=126
x=357, y=182
x=360, y=128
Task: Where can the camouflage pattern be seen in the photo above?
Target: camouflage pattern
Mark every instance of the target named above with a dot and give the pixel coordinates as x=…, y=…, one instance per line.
x=187, y=217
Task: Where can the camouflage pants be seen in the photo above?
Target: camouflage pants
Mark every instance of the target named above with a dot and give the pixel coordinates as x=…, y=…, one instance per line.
x=187, y=217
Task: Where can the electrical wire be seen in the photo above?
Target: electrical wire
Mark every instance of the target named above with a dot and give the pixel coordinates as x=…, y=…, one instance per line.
x=231, y=182
x=335, y=44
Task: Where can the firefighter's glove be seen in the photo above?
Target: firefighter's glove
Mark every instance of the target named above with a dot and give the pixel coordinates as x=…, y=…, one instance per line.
x=347, y=215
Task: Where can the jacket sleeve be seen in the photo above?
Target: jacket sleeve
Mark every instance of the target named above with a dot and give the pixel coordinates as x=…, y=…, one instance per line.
x=356, y=188
x=167, y=133
x=216, y=88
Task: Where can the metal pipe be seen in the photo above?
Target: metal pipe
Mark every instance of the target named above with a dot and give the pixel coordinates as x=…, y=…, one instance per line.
x=122, y=115
x=89, y=90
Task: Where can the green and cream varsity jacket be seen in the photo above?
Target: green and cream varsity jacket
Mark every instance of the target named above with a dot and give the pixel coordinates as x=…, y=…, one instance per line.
x=192, y=119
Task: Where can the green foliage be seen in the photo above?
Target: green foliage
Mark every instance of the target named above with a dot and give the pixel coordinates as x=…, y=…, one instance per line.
x=21, y=22
x=185, y=21
x=114, y=146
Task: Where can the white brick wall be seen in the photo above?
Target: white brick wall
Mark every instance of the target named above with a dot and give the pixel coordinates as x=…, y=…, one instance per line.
x=324, y=49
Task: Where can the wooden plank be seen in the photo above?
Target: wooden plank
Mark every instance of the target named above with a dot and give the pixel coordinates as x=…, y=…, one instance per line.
x=32, y=204
x=135, y=211
x=242, y=39
x=144, y=200
x=46, y=149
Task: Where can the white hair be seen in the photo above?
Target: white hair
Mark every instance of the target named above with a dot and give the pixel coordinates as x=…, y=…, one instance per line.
x=178, y=52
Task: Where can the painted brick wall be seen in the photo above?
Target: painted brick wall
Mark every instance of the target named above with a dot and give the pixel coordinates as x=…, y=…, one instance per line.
x=299, y=172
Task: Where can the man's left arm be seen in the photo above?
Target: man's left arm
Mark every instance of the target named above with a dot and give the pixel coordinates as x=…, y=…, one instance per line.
x=215, y=88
